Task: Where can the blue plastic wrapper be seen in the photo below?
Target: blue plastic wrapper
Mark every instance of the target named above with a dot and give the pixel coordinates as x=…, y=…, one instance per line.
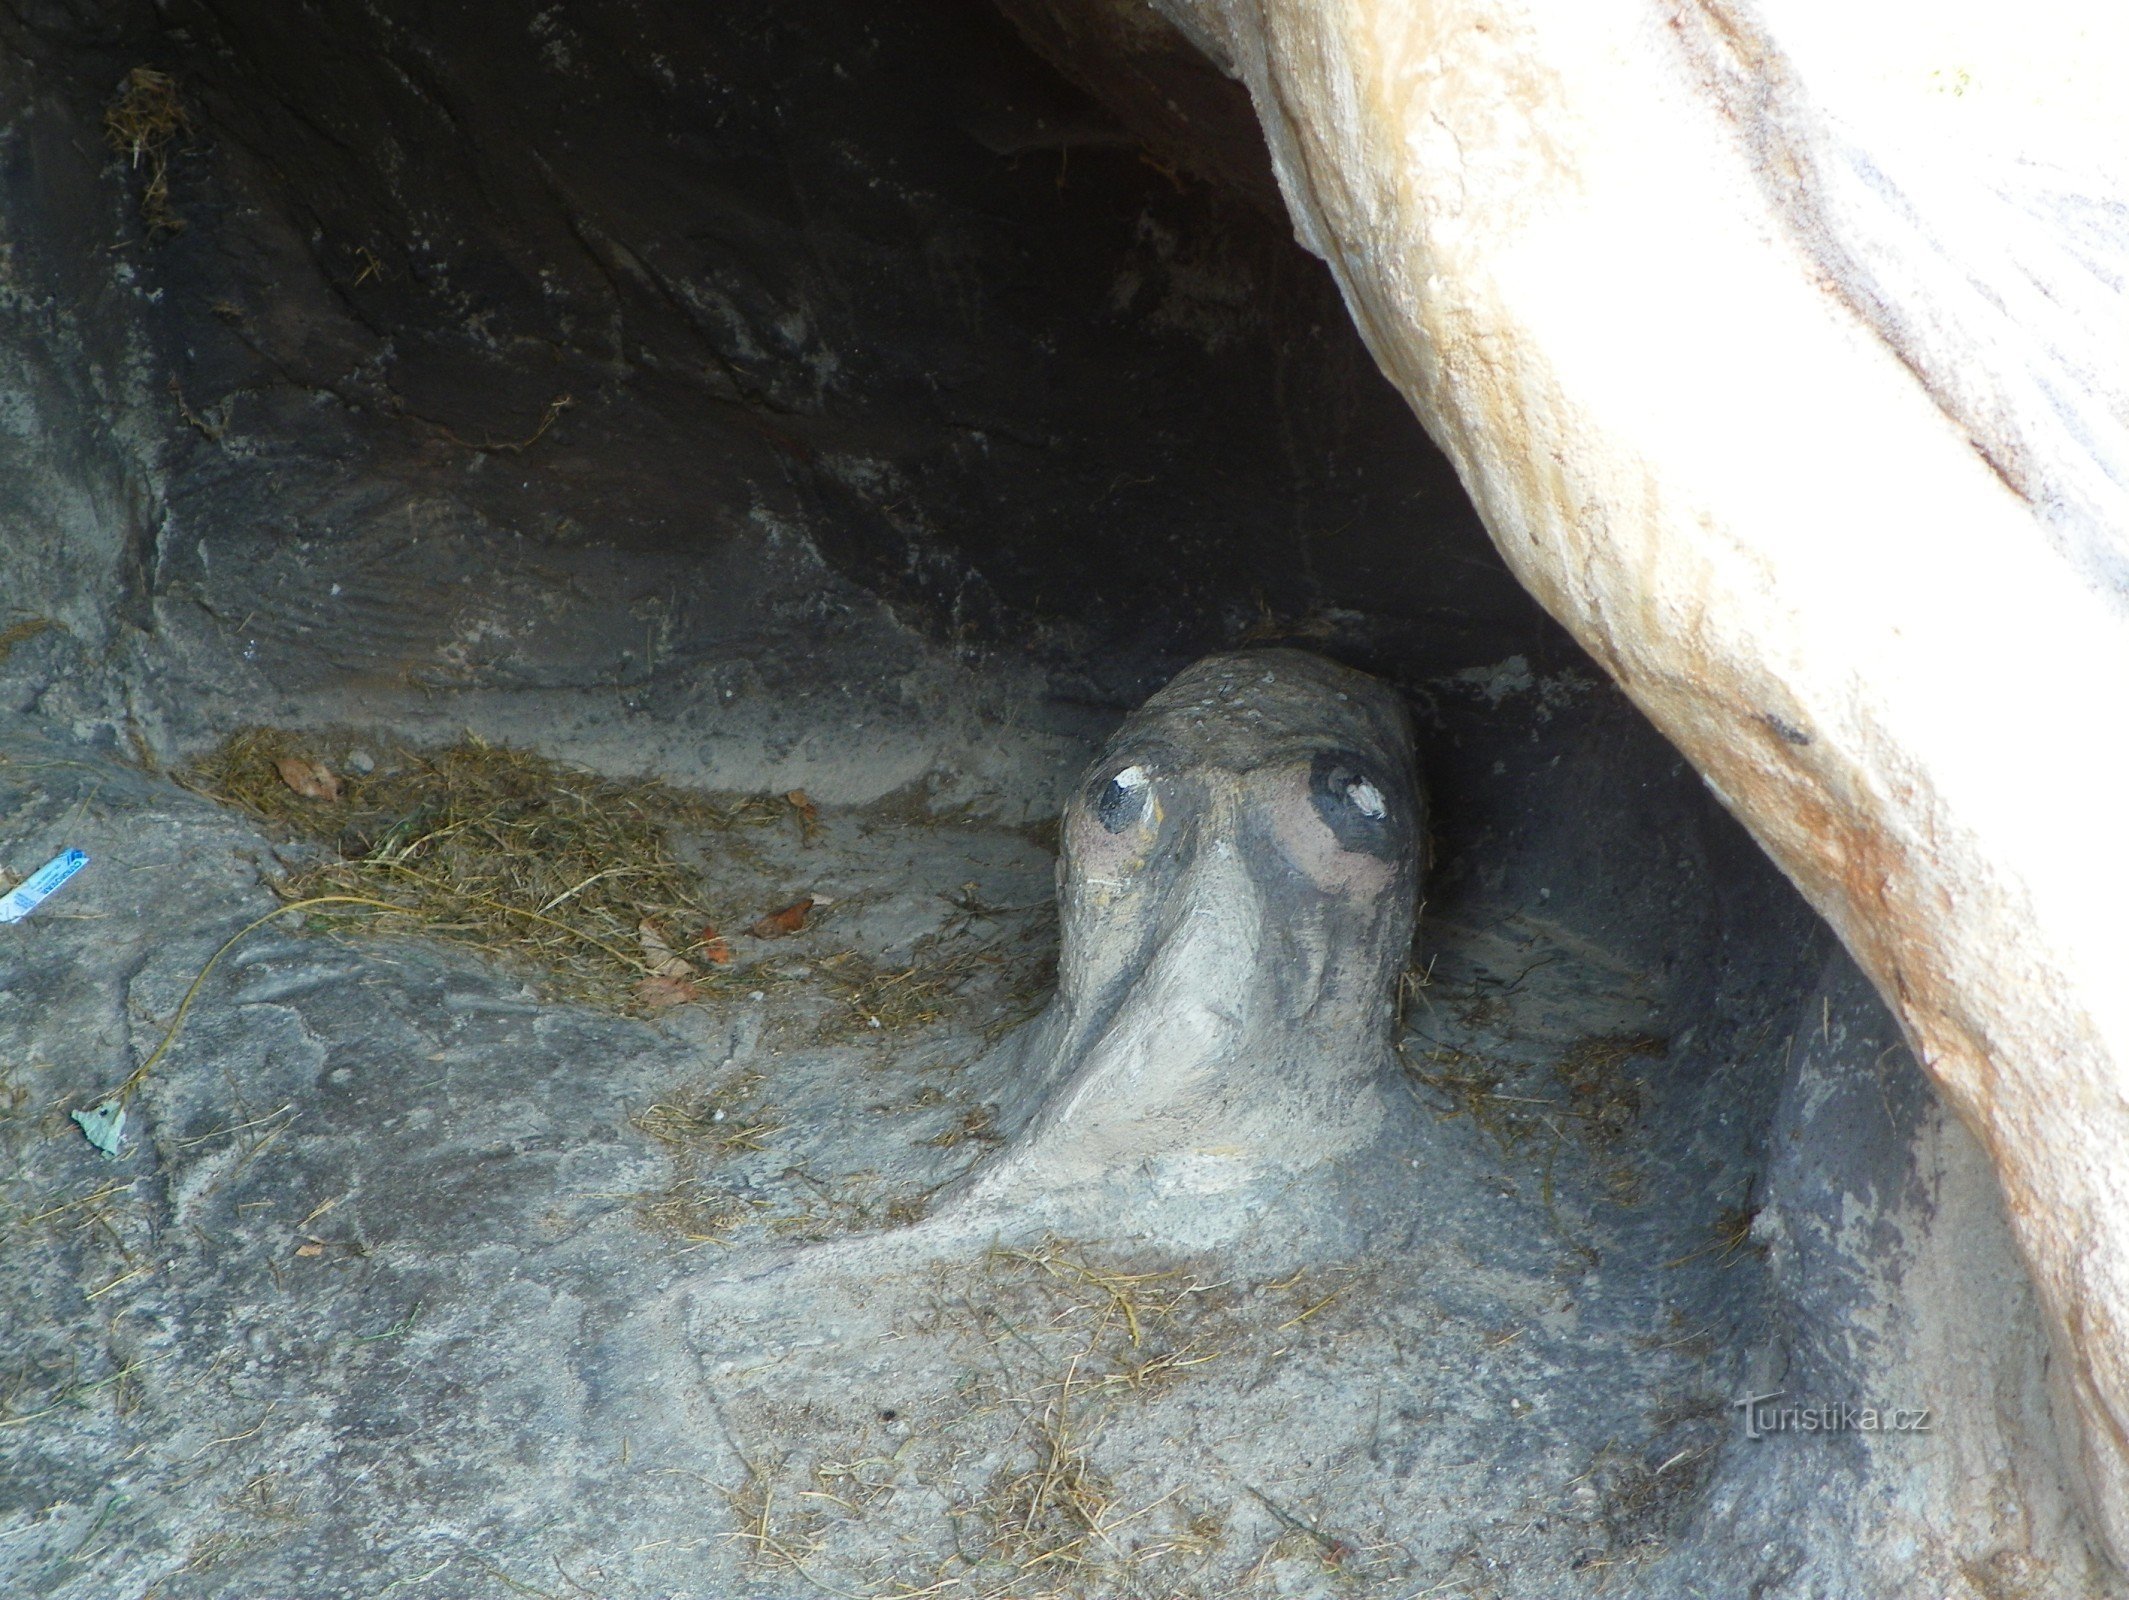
x=41, y=885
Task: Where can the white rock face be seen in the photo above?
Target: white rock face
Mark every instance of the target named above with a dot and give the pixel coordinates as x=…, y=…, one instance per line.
x=1783, y=351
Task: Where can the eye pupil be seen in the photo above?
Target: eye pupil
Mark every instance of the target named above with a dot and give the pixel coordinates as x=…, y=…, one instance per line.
x=1352, y=804
x=1118, y=802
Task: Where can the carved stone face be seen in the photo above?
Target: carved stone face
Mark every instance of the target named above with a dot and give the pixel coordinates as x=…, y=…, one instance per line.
x=1237, y=888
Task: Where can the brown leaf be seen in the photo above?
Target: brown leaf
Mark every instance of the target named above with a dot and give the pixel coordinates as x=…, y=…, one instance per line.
x=659, y=955
x=789, y=920
x=310, y=1247
x=713, y=947
x=313, y=780
x=809, y=814
x=659, y=993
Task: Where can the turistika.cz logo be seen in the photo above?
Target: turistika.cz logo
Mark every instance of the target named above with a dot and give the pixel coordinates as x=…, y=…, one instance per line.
x=1763, y=1418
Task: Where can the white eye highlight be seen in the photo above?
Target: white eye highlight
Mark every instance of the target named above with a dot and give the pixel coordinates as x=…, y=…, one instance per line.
x=1366, y=798
x=1131, y=778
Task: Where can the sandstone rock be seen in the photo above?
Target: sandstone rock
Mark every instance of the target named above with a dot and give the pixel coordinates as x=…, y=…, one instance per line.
x=1783, y=363
x=1237, y=890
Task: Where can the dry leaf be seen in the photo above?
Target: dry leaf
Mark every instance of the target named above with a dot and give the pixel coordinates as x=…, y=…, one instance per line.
x=313, y=780
x=809, y=814
x=713, y=947
x=660, y=992
x=789, y=920
x=310, y=1247
x=658, y=955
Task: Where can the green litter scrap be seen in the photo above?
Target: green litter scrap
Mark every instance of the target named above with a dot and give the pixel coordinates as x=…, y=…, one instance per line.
x=104, y=1126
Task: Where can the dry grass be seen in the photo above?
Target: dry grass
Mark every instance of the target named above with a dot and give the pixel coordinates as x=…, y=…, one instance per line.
x=702, y=1126
x=20, y=632
x=1055, y=1509
x=856, y=1202
x=1060, y=1350
x=1592, y=1094
x=1733, y=1236
x=1606, y=1098
x=1065, y=1339
x=565, y=873
x=1110, y=1300
x=141, y=124
x=1602, y=1092
x=777, y=1544
x=694, y=1211
x=210, y=1552
x=1640, y=1500
x=1475, y=1087
x=269, y=1498
x=29, y=1393
x=893, y=1000
x=1059, y=1528
x=573, y=876
x=1073, y=1340
x=697, y=1127
x=694, y=1122
x=976, y=1125
x=944, y=976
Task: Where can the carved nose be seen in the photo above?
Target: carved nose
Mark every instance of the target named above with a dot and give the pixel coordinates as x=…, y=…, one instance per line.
x=1209, y=850
x=1215, y=924
x=1204, y=970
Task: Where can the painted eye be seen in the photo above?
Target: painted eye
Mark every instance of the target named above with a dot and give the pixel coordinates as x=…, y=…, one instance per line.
x=1350, y=802
x=1121, y=800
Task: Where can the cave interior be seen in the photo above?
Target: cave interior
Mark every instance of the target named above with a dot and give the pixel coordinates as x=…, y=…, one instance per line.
x=835, y=402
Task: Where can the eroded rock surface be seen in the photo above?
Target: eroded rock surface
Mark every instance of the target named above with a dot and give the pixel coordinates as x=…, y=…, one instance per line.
x=1767, y=344
x=917, y=428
